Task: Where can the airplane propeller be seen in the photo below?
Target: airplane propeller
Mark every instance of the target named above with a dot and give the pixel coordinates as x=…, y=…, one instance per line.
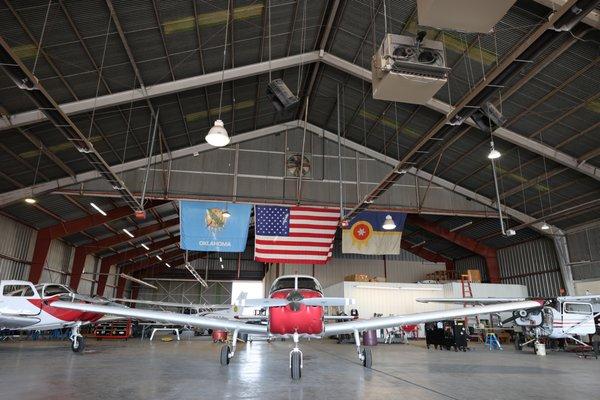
x=295, y=301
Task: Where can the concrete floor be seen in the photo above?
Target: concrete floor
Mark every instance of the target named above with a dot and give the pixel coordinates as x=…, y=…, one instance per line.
x=190, y=370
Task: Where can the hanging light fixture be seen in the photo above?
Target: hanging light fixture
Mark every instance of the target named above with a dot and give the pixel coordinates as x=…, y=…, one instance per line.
x=30, y=200
x=389, y=223
x=493, y=154
x=545, y=226
x=217, y=136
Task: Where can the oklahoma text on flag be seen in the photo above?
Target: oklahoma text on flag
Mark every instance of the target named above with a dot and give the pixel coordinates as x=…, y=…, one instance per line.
x=365, y=233
x=294, y=235
x=204, y=226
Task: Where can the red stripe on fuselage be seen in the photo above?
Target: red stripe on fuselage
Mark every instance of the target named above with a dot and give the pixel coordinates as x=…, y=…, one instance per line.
x=63, y=314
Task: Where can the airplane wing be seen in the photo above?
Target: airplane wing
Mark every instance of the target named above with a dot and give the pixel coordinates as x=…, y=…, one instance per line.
x=164, y=316
x=8, y=321
x=472, y=300
x=182, y=305
x=389, y=322
x=588, y=297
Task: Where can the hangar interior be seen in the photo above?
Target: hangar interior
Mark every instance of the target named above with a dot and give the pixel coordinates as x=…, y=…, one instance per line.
x=105, y=107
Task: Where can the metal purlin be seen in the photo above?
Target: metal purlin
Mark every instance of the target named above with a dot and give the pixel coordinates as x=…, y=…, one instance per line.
x=25, y=80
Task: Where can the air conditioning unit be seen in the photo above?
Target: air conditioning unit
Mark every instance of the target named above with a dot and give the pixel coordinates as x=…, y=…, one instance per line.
x=408, y=69
x=462, y=15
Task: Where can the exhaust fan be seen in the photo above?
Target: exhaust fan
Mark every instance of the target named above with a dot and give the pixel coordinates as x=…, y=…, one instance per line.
x=408, y=70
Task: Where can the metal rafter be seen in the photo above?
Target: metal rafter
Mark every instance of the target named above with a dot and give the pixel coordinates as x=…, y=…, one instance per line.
x=23, y=78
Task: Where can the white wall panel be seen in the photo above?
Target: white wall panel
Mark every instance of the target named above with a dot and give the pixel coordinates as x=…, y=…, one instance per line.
x=582, y=287
x=58, y=263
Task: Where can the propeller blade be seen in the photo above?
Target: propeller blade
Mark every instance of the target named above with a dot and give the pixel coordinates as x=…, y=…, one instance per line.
x=263, y=303
x=328, y=301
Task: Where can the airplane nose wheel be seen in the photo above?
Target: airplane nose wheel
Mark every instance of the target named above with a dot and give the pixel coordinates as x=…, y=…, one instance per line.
x=296, y=359
x=78, y=344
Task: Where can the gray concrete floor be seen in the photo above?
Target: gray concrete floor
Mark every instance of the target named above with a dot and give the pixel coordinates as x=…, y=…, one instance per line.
x=190, y=370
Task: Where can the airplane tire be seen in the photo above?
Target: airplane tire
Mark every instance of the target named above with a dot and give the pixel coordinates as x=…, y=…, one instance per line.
x=518, y=342
x=367, y=358
x=295, y=369
x=78, y=344
x=225, y=355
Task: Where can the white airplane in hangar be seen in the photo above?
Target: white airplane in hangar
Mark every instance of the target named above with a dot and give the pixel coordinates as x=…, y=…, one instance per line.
x=28, y=307
x=563, y=317
x=296, y=309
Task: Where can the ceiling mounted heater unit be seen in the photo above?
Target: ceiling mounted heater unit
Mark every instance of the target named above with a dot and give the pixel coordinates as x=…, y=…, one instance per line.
x=462, y=15
x=281, y=96
x=408, y=69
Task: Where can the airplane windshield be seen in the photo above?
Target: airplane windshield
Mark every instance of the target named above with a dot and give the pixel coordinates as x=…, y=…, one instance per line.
x=303, y=283
x=53, y=290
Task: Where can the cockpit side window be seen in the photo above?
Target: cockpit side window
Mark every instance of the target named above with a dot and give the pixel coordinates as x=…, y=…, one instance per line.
x=18, y=291
x=53, y=290
x=578, y=308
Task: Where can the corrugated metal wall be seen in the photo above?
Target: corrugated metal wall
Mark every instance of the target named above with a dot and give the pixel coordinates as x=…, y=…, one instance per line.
x=473, y=262
x=533, y=264
x=584, y=251
x=16, y=251
x=183, y=291
x=15, y=247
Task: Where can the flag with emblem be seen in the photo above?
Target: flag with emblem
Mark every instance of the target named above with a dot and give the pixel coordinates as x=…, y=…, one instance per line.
x=373, y=232
x=294, y=235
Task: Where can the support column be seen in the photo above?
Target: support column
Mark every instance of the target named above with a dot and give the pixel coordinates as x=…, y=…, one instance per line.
x=564, y=261
x=493, y=268
x=120, y=288
x=103, y=276
x=77, y=267
x=135, y=291
x=40, y=252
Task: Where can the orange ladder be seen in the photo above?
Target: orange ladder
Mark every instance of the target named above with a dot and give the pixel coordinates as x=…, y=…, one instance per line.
x=467, y=293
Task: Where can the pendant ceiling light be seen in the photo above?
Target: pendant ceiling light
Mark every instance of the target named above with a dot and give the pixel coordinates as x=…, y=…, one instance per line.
x=493, y=154
x=217, y=136
x=389, y=223
x=545, y=226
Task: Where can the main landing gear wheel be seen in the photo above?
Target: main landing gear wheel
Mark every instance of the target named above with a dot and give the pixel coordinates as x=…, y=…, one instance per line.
x=225, y=355
x=78, y=344
x=367, y=358
x=518, y=342
x=295, y=367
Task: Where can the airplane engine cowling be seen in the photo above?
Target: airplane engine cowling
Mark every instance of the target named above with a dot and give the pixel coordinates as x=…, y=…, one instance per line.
x=296, y=317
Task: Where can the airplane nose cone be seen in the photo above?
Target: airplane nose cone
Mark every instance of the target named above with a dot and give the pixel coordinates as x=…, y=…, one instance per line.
x=295, y=297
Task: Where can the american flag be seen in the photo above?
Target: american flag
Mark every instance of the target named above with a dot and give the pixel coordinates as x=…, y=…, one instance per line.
x=294, y=235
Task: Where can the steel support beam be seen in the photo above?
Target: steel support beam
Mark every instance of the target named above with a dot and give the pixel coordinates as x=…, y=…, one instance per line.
x=161, y=89
x=109, y=261
x=46, y=235
x=468, y=243
x=82, y=251
x=502, y=133
x=428, y=255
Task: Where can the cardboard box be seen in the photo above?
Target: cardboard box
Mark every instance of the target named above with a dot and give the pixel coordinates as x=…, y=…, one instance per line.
x=357, y=278
x=474, y=275
x=377, y=279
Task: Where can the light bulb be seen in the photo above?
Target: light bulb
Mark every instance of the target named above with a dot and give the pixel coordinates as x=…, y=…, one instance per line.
x=217, y=136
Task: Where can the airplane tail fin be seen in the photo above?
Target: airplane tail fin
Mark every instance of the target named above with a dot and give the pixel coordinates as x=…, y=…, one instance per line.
x=238, y=305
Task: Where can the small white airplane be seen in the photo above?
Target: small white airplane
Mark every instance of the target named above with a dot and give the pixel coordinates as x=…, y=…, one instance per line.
x=28, y=307
x=562, y=317
x=296, y=309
